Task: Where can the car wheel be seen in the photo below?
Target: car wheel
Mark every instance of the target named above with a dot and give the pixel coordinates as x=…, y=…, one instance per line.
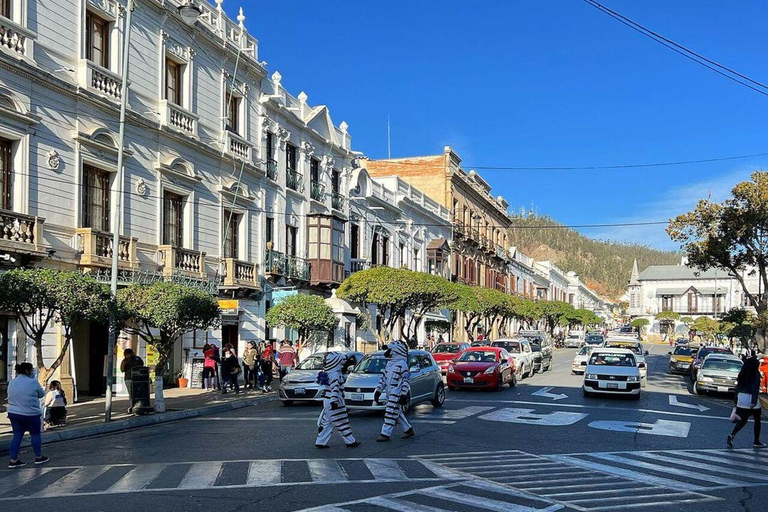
x=287, y=402
x=513, y=380
x=500, y=383
x=549, y=366
x=695, y=389
x=587, y=394
x=407, y=406
x=439, y=399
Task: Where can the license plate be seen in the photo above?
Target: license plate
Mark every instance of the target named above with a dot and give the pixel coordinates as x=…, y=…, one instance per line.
x=300, y=391
x=722, y=389
x=468, y=380
x=358, y=397
x=613, y=385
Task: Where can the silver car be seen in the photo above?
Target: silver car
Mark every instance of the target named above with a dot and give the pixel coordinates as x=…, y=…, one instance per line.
x=426, y=381
x=301, y=384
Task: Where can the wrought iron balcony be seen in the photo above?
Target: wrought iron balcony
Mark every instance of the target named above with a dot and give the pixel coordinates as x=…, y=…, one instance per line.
x=279, y=264
x=240, y=274
x=97, y=249
x=459, y=230
x=338, y=201
x=272, y=172
x=176, y=260
x=294, y=180
x=317, y=191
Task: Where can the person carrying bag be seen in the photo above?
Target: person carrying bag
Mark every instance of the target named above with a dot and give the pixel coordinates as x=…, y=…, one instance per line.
x=747, y=401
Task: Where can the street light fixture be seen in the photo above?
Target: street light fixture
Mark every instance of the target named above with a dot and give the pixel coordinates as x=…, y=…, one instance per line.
x=189, y=12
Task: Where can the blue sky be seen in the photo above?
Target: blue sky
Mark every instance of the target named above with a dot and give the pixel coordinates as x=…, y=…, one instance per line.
x=538, y=83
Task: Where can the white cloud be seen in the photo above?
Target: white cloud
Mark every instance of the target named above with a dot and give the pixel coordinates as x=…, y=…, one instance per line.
x=672, y=203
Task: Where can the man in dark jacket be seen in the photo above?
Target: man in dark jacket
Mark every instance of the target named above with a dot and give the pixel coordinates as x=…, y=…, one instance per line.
x=129, y=362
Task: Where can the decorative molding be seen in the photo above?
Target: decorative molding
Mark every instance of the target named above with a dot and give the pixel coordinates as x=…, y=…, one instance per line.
x=141, y=187
x=54, y=160
x=308, y=149
x=283, y=136
x=328, y=162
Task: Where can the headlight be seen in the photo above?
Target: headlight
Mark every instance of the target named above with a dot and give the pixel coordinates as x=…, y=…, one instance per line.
x=591, y=376
x=633, y=378
x=706, y=379
x=672, y=359
x=490, y=370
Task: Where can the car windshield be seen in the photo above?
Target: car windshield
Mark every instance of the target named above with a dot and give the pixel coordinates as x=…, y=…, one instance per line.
x=478, y=356
x=446, y=349
x=629, y=346
x=585, y=350
x=607, y=359
x=512, y=347
x=371, y=364
x=311, y=363
x=683, y=351
x=704, y=352
x=722, y=365
x=594, y=339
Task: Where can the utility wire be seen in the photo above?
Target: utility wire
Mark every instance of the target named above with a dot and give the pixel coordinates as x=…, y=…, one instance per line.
x=682, y=50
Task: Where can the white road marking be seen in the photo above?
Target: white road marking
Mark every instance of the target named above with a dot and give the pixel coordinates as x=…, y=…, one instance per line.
x=702, y=465
x=385, y=469
x=448, y=414
x=136, y=479
x=71, y=482
x=659, y=428
x=663, y=469
x=21, y=477
x=264, y=472
x=554, y=419
x=201, y=475
x=674, y=402
x=326, y=470
x=545, y=392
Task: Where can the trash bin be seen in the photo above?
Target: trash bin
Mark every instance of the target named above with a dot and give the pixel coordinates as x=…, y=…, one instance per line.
x=139, y=391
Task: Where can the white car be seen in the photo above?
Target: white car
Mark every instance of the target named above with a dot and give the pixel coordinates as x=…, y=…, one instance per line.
x=575, y=339
x=636, y=347
x=520, y=349
x=612, y=371
x=580, y=360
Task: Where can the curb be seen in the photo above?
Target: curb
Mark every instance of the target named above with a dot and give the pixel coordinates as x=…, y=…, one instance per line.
x=139, y=421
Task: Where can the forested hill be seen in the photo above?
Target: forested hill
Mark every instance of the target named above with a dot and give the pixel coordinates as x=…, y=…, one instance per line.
x=603, y=266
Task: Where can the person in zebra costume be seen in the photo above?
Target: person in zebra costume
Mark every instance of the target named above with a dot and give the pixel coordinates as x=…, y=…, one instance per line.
x=334, y=415
x=396, y=384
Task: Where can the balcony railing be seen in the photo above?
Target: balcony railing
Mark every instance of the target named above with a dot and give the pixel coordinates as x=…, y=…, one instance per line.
x=501, y=253
x=338, y=201
x=294, y=180
x=241, y=274
x=19, y=40
x=316, y=191
x=237, y=146
x=20, y=232
x=180, y=119
x=175, y=260
x=272, y=173
x=280, y=264
x=97, y=249
x=100, y=80
x=358, y=264
x=459, y=230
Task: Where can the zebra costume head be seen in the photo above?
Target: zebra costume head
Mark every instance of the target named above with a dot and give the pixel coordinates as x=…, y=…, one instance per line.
x=396, y=350
x=333, y=361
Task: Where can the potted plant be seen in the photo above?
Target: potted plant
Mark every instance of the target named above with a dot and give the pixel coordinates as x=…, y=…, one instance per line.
x=181, y=380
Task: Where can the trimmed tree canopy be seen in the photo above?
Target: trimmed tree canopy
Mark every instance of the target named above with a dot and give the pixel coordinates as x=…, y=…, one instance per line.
x=305, y=313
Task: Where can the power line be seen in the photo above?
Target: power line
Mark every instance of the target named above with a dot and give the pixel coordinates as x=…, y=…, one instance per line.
x=682, y=50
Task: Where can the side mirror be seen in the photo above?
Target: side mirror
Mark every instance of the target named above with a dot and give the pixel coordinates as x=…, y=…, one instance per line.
x=647, y=353
x=669, y=353
x=414, y=369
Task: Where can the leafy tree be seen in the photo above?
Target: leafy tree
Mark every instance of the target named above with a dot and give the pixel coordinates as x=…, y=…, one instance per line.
x=668, y=318
x=687, y=320
x=731, y=236
x=479, y=304
x=639, y=324
x=707, y=327
x=439, y=326
x=38, y=297
x=162, y=312
x=428, y=293
x=739, y=323
x=529, y=312
x=305, y=313
x=552, y=311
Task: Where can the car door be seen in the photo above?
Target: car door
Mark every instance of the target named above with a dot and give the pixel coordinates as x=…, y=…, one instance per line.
x=527, y=355
x=417, y=376
x=504, y=366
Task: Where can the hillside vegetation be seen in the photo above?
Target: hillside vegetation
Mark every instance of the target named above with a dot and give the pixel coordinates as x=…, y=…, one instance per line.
x=604, y=266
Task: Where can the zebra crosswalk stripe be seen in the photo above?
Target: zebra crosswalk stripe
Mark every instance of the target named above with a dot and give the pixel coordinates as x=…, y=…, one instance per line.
x=385, y=469
x=325, y=470
x=201, y=475
x=263, y=472
x=70, y=482
x=138, y=478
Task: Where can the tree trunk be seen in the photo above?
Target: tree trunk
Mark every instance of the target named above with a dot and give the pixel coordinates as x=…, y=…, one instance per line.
x=162, y=361
x=760, y=339
x=159, y=397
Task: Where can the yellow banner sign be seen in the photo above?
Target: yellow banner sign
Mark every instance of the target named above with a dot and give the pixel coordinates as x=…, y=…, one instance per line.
x=152, y=356
x=229, y=304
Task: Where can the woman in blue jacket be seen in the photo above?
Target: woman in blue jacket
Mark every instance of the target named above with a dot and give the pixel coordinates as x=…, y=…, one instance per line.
x=24, y=412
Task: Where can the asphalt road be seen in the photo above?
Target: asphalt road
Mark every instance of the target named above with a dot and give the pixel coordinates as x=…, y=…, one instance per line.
x=538, y=446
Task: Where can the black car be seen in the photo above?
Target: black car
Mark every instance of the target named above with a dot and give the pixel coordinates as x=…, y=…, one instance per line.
x=541, y=344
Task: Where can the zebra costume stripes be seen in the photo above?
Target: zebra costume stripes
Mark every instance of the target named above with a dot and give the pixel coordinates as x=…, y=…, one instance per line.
x=395, y=383
x=334, y=414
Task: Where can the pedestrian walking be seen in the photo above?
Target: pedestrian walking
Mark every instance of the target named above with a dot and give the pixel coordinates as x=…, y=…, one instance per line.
x=217, y=366
x=334, y=415
x=287, y=358
x=24, y=412
x=267, y=367
x=230, y=369
x=209, y=368
x=55, y=406
x=129, y=362
x=747, y=400
x=396, y=383
x=249, y=365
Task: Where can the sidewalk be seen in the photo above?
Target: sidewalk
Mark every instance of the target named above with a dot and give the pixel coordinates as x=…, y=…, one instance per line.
x=87, y=418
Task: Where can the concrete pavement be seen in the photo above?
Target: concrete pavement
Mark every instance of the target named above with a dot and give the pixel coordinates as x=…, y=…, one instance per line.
x=508, y=450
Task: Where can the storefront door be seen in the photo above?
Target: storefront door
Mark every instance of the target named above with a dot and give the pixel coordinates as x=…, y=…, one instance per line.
x=230, y=334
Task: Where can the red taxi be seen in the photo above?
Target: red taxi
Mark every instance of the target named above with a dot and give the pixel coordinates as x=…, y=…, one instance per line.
x=482, y=367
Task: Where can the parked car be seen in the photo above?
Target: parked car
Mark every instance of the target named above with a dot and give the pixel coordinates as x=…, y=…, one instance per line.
x=612, y=371
x=636, y=347
x=701, y=354
x=520, y=349
x=681, y=341
x=541, y=345
x=483, y=367
x=594, y=340
x=718, y=373
x=444, y=353
x=301, y=384
x=426, y=381
x=579, y=364
x=575, y=339
x=681, y=357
